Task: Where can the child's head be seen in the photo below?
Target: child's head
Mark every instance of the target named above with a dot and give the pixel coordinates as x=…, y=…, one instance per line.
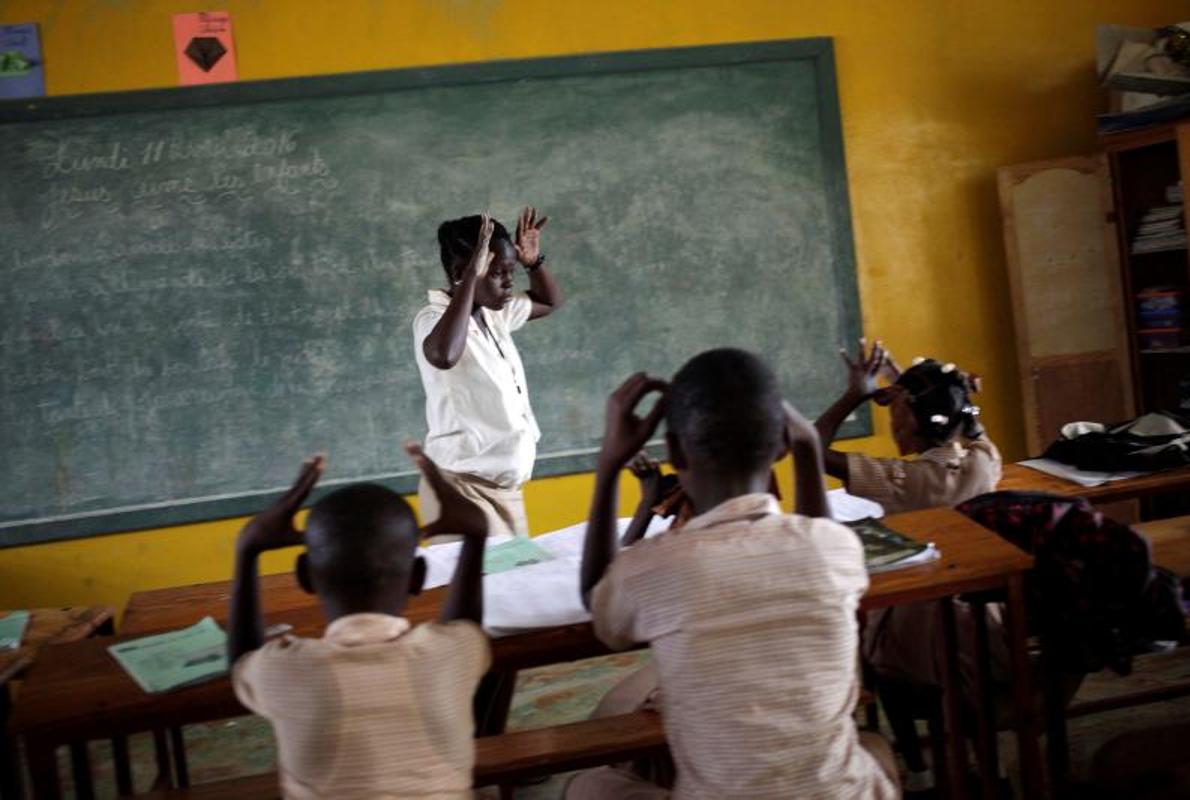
x=361, y=551
x=456, y=243
x=930, y=405
x=724, y=417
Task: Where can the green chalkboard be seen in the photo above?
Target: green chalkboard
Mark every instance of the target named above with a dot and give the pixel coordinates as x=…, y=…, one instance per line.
x=201, y=286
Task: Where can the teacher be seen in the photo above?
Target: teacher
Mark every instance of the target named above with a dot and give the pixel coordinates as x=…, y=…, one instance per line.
x=483, y=434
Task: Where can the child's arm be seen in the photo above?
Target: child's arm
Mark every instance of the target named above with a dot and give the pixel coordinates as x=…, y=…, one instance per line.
x=624, y=435
x=543, y=290
x=652, y=483
x=807, y=465
x=269, y=530
x=861, y=385
x=460, y=517
x=444, y=346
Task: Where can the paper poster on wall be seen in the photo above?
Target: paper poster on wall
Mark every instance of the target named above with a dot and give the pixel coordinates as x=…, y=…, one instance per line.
x=204, y=47
x=21, y=73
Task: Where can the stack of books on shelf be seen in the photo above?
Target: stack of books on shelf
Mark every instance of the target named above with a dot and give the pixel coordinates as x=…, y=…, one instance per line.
x=1162, y=227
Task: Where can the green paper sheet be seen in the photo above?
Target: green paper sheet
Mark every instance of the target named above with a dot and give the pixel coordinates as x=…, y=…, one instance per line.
x=12, y=628
x=520, y=552
x=175, y=659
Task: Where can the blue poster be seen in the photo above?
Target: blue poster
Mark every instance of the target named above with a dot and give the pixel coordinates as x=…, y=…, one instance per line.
x=21, y=73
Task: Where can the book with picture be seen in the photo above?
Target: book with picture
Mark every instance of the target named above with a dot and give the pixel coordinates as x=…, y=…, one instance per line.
x=885, y=549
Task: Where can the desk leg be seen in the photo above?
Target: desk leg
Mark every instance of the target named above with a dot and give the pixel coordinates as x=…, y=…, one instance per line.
x=985, y=715
x=43, y=769
x=492, y=701
x=1057, y=745
x=1032, y=777
x=11, y=785
x=177, y=741
x=123, y=766
x=80, y=768
x=952, y=707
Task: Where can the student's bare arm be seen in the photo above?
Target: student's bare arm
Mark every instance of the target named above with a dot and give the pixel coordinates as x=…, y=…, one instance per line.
x=807, y=465
x=648, y=472
x=624, y=435
x=444, y=346
x=460, y=517
x=271, y=529
x=861, y=385
x=543, y=289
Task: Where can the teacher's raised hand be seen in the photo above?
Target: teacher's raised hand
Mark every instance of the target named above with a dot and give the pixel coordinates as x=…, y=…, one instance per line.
x=528, y=236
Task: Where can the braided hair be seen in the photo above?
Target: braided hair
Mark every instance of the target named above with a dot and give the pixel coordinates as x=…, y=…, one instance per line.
x=940, y=396
x=456, y=241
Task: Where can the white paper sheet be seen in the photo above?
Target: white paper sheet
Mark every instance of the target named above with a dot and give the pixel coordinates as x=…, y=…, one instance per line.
x=849, y=508
x=546, y=595
x=1080, y=476
x=536, y=596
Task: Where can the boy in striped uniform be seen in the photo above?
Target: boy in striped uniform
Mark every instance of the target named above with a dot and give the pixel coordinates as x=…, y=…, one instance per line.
x=750, y=613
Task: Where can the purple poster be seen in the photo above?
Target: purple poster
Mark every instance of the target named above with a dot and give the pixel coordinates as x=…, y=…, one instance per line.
x=21, y=73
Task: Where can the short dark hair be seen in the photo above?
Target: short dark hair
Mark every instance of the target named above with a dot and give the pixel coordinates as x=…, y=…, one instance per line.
x=940, y=396
x=456, y=241
x=361, y=538
x=725, y=408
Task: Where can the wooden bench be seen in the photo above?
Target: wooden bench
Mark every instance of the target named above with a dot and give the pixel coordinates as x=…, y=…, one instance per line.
x=1170, y=539
x=504, y=759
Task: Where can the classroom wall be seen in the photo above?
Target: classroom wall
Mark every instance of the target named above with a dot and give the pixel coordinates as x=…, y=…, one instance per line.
x=935, y=96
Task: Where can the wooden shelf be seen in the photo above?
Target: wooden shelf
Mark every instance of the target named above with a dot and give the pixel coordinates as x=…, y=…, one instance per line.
x=1181, y=248
x=1169, y=351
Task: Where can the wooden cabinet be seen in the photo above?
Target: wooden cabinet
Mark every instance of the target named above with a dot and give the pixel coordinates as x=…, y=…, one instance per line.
x=1061, y=247
x=1086, y=349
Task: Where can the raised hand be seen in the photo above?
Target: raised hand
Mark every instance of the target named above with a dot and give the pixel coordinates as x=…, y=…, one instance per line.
x=890, y=370
x=648, y=472
x=528, y=236
x=460, y=516
x=798, y=429
x=625, y=433
x=273, y=528
x=804, y=443
x=482, y=255
x=864, y=369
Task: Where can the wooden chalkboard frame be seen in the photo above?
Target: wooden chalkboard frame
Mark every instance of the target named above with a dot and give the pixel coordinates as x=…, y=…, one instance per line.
x=819, y=51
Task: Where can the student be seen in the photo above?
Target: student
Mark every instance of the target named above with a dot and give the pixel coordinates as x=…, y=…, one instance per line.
x=661, y=495
x=749, y=612
x=482, y=432
x=933, y=418
x=374, y=708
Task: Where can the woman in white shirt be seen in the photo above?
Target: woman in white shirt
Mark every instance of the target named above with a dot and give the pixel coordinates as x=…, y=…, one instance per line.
x=482, y=432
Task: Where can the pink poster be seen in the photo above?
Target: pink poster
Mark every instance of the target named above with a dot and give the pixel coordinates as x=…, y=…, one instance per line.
x=204, y=47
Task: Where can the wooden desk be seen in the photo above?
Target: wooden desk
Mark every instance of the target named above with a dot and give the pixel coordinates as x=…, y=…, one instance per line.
x=78, y=691
x=51, y=625
x=1019, y=478
x=973, y=558
x=46, y=625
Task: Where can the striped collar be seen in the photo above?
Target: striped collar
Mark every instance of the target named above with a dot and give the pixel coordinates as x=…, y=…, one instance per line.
x=354, y=629
x=746, y=507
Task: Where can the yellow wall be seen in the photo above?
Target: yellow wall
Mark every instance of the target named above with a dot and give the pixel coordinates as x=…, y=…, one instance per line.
x=935, y=96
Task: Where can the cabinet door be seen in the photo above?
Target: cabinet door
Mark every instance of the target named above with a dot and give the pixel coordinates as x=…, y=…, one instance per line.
x=1063, y=269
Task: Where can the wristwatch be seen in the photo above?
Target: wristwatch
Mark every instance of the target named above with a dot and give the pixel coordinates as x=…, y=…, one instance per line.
x=540, y=260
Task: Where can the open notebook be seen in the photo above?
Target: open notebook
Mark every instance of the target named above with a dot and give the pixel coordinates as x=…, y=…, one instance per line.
x=172, y=660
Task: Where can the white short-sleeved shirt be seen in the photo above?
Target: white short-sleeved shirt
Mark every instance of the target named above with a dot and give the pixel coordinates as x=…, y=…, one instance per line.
x=373, y=709
x=478, y=412
x=751, y=617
